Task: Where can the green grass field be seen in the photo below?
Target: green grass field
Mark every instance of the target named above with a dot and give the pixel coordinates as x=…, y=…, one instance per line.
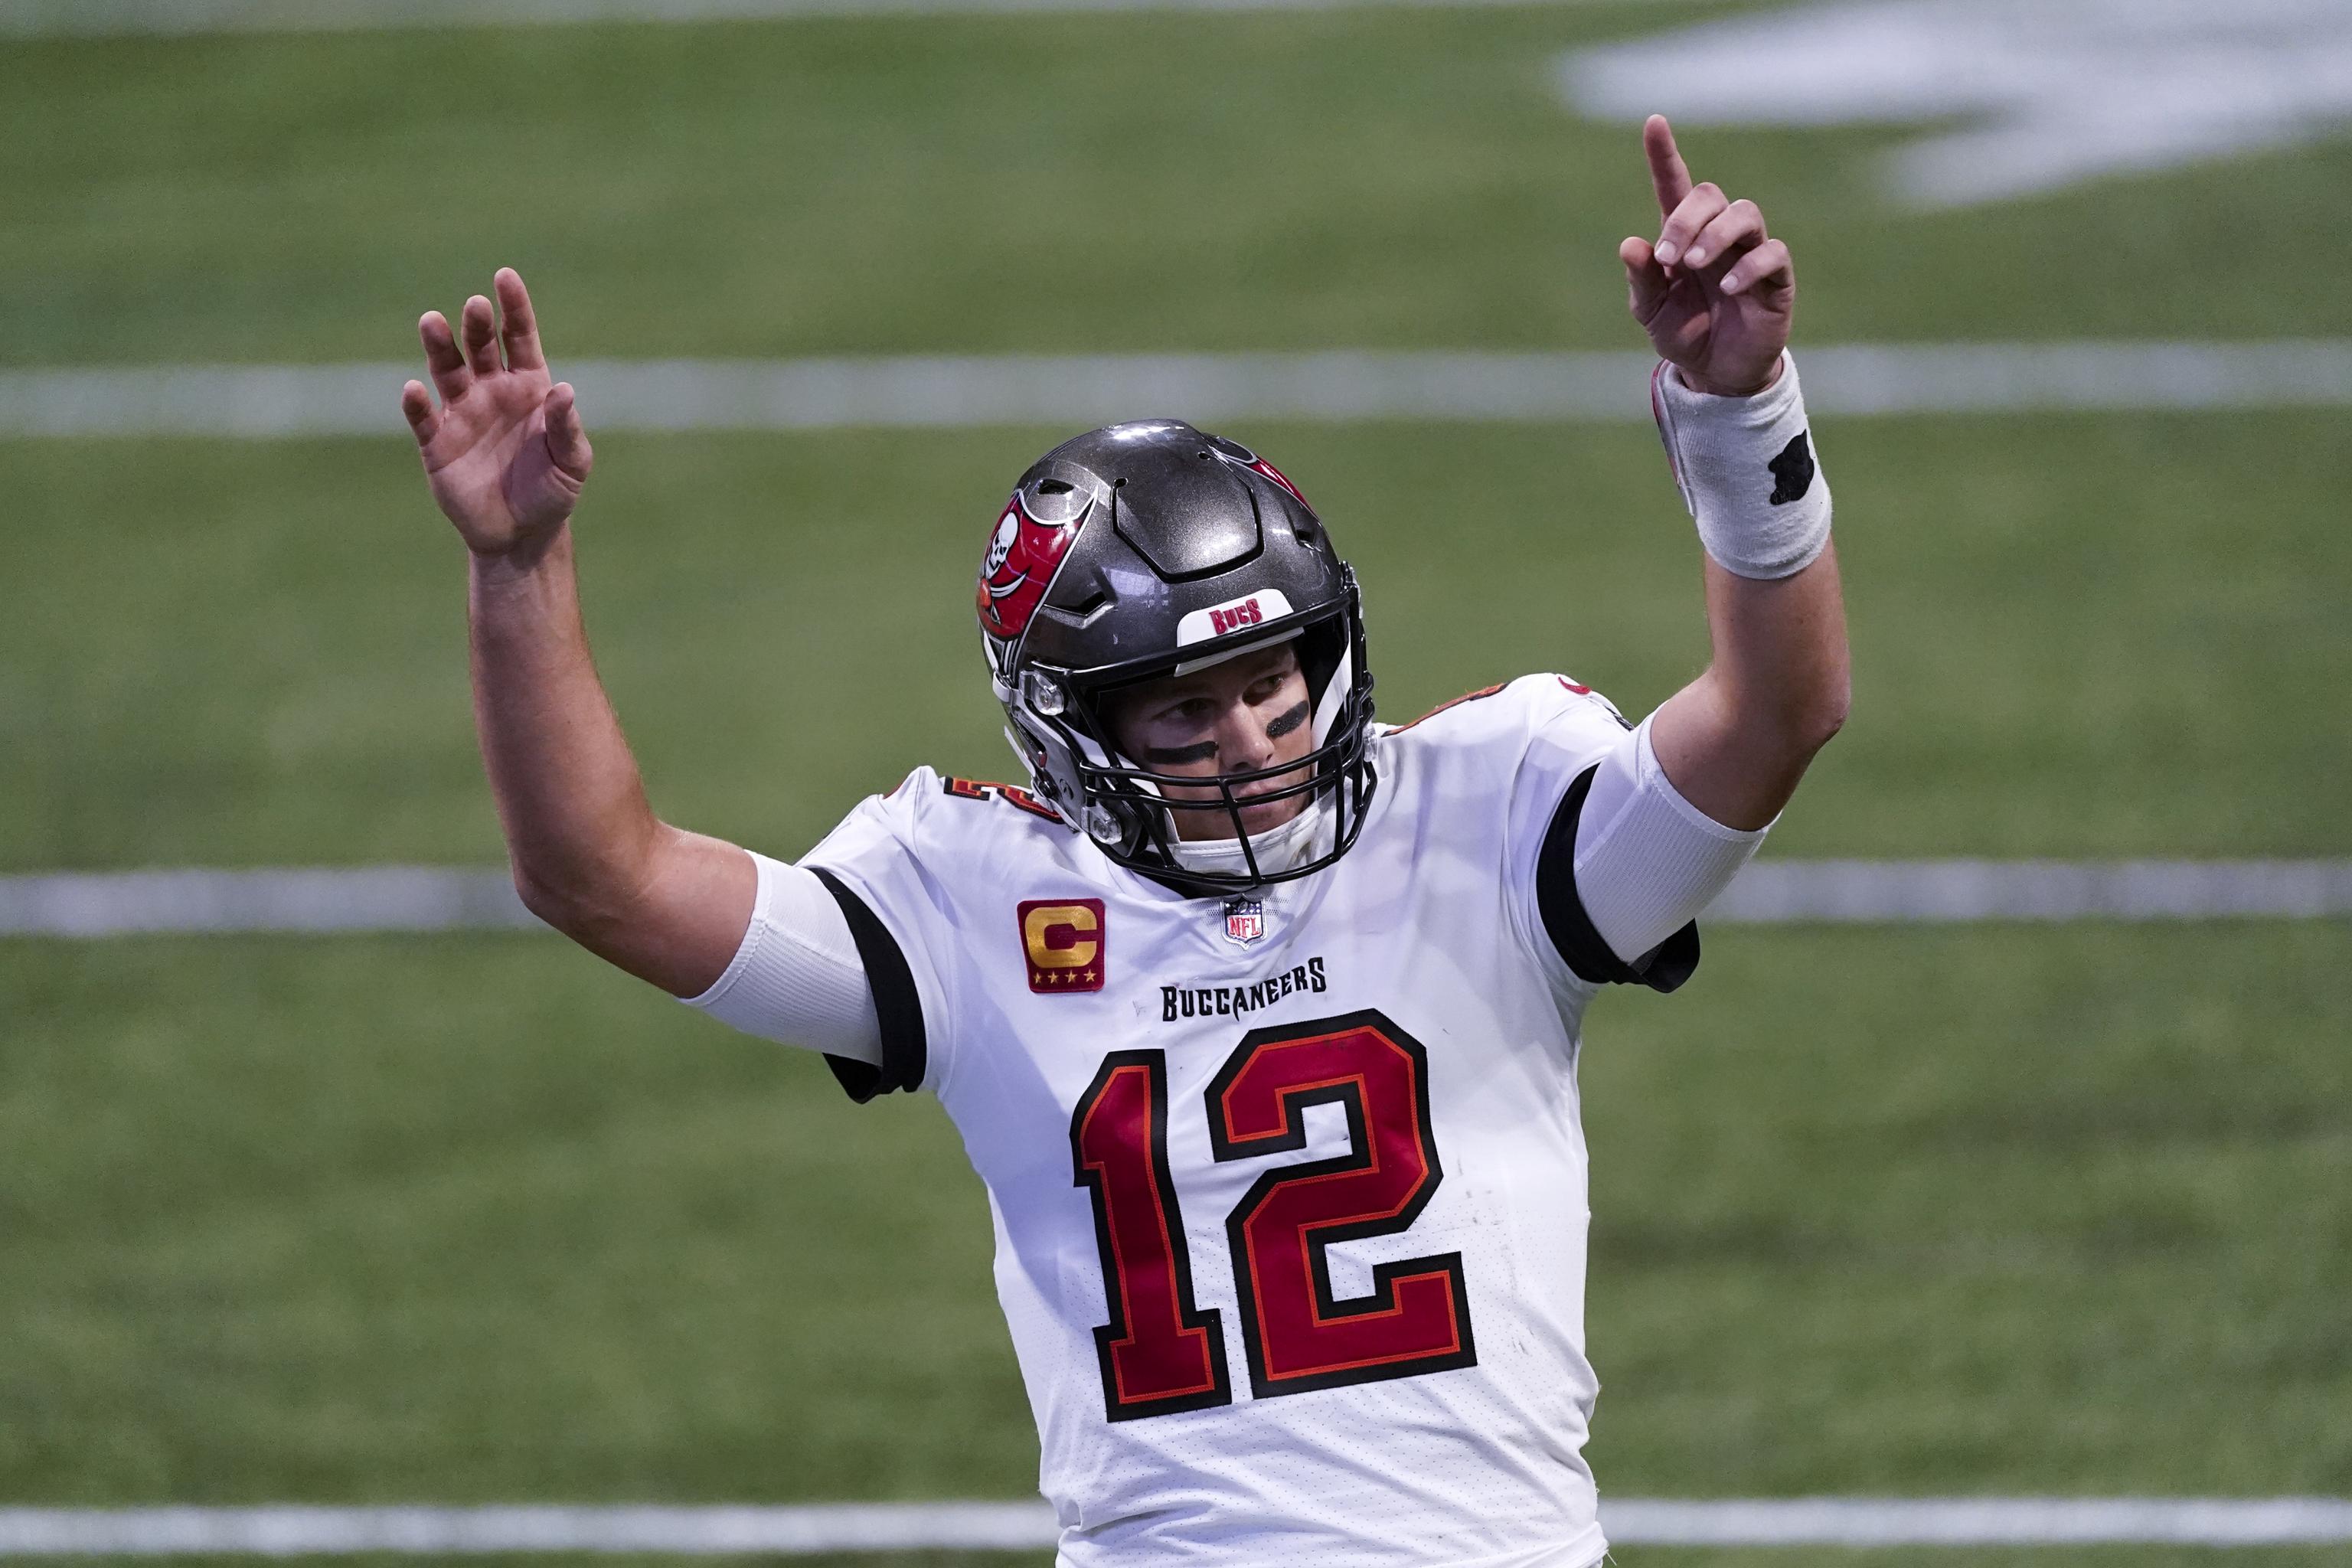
x=471, y=1218
x=1388, y=178
x=2120, y=635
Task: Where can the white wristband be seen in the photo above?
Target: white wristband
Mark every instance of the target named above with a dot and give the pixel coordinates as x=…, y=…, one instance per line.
x=1747, y=471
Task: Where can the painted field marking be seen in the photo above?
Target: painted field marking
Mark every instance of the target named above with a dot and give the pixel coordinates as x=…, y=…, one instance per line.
x=1902, y=892
x=930, y=392
x=321, y=899
x=2026, y=96
x=296, y=899
x=178, y=18
x=1979, y=1522
x=283, y=1531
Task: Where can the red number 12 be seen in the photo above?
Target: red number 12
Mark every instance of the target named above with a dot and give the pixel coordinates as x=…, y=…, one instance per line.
x=1161, y=1351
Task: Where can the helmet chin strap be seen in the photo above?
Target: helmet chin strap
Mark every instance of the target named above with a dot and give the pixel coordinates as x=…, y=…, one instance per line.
x=1275, y=848
x=1333, y=696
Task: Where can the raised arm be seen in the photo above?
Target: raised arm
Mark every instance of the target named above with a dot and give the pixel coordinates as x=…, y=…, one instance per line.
x=506, y=455
x=1716, y=293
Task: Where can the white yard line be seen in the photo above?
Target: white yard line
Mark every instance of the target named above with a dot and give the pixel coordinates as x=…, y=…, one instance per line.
x=1894, y=892
x=1836, y=892
x=282, y=1531
x=1340, y=385
x=1979, y=1522
x=287, y=899
x=176, y=19
x=876, y=1527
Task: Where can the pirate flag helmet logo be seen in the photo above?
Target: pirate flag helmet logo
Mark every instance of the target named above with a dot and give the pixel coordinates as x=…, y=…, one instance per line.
x=1018, y=568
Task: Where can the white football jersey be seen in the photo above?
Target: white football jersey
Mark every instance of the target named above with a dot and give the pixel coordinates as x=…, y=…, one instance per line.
x=1289, y=1190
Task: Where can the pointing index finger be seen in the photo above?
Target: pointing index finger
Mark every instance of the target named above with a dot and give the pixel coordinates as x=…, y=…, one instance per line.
x=1669, y=175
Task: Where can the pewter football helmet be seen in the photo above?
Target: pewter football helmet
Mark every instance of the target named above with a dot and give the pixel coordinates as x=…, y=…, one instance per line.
x=1148, y=549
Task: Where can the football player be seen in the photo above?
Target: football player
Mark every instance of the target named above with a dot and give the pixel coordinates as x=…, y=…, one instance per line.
x=1259, y=1018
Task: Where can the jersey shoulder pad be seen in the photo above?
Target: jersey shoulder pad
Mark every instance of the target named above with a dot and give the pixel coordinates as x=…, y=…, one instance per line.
x=964, y=832
x=1507, y=714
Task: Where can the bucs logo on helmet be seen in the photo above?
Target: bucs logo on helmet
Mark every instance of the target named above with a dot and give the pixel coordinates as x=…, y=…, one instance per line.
x=1017, y=569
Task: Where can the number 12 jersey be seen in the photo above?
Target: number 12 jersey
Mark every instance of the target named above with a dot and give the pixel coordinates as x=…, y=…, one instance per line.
x=1289, y=1189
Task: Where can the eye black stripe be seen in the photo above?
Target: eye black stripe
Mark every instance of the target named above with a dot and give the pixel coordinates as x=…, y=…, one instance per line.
x=1199, y=752
x=1284, y=723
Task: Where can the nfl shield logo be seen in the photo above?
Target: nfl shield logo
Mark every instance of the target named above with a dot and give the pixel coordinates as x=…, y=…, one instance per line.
x=1244, y=920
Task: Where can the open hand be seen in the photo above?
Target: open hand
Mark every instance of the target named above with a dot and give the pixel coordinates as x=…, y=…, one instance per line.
x=1714, y=293
x=504, y=454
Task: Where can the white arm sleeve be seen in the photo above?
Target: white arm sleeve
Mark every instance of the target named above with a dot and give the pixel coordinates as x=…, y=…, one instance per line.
x=796, y=977
x=1647, y=860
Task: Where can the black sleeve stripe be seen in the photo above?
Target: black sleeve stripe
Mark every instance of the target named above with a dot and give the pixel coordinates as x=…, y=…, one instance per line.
x=897, y=1006
x=1662, y=968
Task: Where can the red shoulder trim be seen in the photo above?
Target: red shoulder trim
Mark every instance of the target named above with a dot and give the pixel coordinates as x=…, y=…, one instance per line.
x=1455, y=702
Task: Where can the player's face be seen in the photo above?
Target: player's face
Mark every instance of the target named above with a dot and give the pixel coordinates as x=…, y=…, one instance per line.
x=1251, y=711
